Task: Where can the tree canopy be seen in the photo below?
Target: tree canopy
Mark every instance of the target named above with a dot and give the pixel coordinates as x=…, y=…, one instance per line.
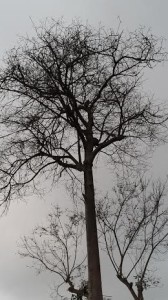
x=56, y=86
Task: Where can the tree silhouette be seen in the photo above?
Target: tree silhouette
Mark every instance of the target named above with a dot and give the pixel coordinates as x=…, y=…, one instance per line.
x=58, y=247
x=134, y=225
x=68, y=95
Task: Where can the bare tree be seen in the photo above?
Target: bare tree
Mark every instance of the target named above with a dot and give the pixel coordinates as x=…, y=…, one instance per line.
x=134, y=225
x=59, y=248
x=68, y=95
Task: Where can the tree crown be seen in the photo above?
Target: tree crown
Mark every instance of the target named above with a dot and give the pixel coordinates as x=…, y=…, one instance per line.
x=71, y=91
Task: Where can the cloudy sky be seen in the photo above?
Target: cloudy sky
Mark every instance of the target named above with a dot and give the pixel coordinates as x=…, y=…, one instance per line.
x=17, y=282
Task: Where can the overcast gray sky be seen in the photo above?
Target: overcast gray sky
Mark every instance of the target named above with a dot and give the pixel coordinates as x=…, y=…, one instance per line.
x=17, y=282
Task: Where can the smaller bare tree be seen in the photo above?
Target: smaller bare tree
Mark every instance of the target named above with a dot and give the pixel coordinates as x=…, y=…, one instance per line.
x=134, y=225
x=59, y=249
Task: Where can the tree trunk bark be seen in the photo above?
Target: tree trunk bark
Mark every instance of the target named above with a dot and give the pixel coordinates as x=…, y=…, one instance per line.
x=94, y=273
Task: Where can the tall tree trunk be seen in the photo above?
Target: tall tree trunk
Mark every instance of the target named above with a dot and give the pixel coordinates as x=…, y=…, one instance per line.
x=94, y=273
